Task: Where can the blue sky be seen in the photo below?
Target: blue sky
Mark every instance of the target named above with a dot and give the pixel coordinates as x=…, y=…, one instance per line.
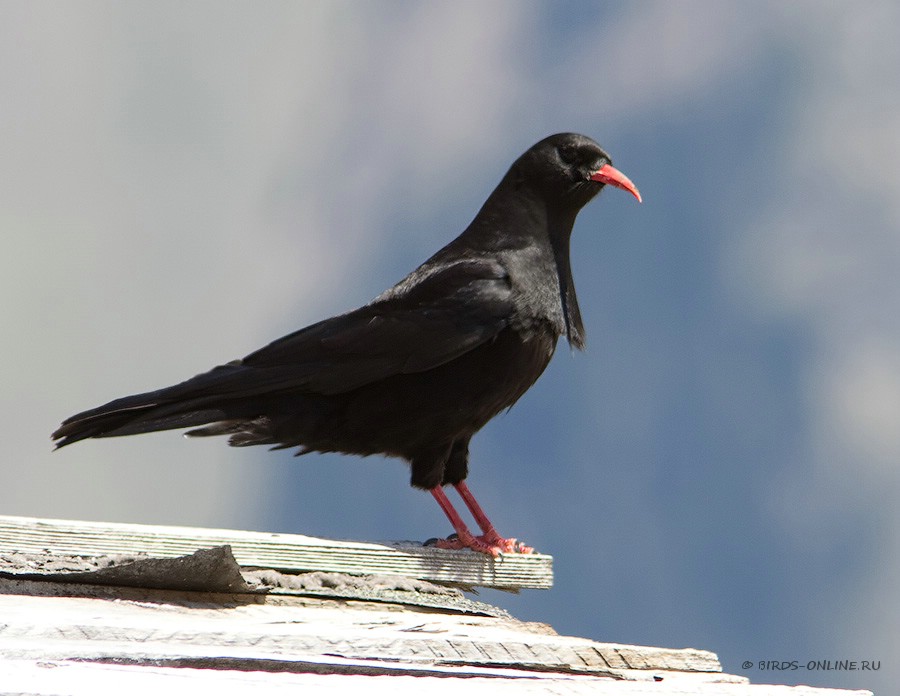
x=183, y=183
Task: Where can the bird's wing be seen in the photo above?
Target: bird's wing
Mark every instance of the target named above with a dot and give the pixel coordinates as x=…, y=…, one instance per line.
x=433, y=316
x=430, y=318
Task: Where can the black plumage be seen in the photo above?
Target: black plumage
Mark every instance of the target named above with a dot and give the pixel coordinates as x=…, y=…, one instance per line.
x=425, y=365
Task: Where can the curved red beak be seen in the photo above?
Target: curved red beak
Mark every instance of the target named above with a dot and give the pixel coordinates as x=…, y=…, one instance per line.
x=608, y=174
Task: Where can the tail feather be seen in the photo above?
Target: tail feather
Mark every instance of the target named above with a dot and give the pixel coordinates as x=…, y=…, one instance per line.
x=232, y=399
x=129, y=422
x=255, y=431
x=203, y=399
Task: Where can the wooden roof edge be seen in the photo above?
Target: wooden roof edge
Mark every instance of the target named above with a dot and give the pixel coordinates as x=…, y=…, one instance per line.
x=193, y=614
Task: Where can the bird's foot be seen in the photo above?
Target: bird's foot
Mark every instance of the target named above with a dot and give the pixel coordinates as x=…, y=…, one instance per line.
x=457, y=542
x=489, y=544
x=505, y=545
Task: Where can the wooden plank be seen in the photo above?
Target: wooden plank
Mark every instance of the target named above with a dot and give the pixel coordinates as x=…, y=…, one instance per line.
x=75, y=645
x=214, y=572
x=91, y=679
x=286, y=636
x=192, y=642
x=284, y=552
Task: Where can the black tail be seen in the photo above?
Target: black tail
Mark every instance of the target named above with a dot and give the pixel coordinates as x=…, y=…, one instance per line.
x=130, y=416
x=218, y=395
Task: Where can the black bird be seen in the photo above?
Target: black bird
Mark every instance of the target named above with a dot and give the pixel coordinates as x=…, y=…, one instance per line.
x=425, y=365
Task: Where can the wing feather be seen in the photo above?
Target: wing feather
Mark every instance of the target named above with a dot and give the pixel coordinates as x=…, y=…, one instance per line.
x=430, y=318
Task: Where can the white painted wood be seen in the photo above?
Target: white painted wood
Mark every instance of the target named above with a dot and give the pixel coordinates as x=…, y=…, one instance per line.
x=192, y=643
x=85, y=679
x=291, y=633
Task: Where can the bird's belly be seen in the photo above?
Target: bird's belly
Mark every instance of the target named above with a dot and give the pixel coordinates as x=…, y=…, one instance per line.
x=403, y=413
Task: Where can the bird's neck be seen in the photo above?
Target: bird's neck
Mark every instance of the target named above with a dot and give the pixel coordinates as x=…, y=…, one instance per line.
x=514, y=216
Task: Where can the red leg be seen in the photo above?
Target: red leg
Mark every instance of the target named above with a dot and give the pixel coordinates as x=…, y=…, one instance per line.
x=490, y=536
x=464, y=538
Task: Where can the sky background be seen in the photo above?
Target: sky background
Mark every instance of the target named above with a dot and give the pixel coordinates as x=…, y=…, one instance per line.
x=183, y=182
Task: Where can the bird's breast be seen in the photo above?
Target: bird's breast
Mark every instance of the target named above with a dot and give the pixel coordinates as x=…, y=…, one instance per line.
x=402, y=414
x=537, y=295
x=494, y=376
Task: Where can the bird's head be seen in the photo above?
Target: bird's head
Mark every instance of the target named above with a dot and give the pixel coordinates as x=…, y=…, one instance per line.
x=569, y=169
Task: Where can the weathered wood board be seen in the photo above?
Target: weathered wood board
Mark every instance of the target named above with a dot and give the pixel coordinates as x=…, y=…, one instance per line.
x=285, y=552
x=53, y=641
x=90, y=679
x=84, y=611
x=239, y=630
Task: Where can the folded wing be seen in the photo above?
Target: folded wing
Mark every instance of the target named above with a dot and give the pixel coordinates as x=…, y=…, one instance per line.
x=435, y=315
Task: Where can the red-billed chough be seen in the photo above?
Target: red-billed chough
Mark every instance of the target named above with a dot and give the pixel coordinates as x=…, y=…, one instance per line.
x=426, y=364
